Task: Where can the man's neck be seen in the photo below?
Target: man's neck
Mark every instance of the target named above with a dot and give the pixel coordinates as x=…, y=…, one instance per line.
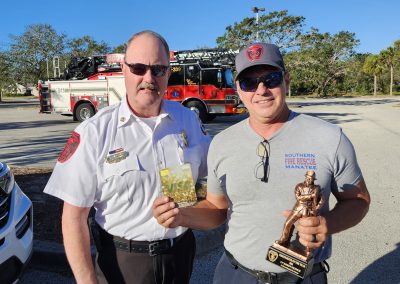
x=267, y=128
x=145, y=112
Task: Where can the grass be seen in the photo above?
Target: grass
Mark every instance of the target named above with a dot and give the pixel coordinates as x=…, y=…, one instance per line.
x=14, y=95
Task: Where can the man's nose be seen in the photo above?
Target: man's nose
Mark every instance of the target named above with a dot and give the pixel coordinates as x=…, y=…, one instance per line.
x=148, y=76
x=261, y=89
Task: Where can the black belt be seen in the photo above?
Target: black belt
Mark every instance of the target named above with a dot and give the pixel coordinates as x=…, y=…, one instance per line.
x=152, y=248
x=269, y=277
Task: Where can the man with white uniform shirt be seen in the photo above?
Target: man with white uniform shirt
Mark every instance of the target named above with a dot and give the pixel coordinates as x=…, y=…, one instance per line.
x=112, y=163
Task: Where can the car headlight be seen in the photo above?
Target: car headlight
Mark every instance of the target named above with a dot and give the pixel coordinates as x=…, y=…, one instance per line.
x=6, y=179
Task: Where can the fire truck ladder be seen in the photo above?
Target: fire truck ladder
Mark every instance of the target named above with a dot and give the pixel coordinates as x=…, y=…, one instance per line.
x=208, y=56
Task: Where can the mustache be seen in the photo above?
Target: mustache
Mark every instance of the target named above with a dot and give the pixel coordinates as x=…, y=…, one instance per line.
x=146, y=85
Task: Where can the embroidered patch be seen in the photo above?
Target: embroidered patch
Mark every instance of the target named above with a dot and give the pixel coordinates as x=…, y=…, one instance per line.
x=116, y=156
x=255, y=52
x=70, y=147
x=116, y=151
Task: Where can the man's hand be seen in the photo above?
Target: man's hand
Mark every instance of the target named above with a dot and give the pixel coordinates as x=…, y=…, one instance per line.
x=166, y=212
x=312, y=231
x=204, y=215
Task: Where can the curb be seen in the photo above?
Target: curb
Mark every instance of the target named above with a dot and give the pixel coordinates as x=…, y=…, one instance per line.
x=51, y=253
x=20, y=101
x=18, y=104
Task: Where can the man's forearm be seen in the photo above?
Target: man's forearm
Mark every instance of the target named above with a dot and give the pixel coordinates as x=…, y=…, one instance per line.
x=346, y=214
x=77, y=247
x=202, y=216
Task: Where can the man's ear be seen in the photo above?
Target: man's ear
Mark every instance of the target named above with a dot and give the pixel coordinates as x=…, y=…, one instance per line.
x=125, y=69
x=238, y=90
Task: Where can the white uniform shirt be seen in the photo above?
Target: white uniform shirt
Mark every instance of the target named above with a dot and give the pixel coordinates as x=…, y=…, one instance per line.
x=123, y=190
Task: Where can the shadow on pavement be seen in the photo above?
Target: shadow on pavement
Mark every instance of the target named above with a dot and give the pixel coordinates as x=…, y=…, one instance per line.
x=334, y=118
x=32, y=124
x=382, y=270
x=41, y=149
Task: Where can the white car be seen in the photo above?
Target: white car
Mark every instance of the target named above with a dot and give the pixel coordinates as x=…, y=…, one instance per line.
x=16, y=228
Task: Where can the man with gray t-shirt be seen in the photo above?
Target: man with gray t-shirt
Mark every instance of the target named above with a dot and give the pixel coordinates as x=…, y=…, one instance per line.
x=253, y=190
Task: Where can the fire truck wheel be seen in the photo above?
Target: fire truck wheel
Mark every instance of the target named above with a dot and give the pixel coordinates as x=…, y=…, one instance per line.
x=84, y=111
x=211, y=117
x=199, y=109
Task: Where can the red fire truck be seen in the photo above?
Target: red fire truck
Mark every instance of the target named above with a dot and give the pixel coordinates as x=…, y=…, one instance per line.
x=201, y=80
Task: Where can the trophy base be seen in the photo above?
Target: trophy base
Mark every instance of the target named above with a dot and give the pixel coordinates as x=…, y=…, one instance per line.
x=290, y=260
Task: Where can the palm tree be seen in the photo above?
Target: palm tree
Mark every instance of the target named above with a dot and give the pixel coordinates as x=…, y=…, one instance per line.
x=387, y=57
x=373, y=66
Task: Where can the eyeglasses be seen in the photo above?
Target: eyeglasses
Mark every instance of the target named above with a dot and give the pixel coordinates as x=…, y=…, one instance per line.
x=141, y=69
x=270, y=80
x=262, y=168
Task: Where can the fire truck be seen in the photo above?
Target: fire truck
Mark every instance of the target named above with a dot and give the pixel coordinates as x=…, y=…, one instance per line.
x=201, y=80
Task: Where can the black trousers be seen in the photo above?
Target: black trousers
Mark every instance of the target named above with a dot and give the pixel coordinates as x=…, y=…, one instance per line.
x=172, y=266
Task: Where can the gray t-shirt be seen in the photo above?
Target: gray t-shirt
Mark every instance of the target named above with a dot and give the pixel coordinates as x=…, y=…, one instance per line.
x=255, y=217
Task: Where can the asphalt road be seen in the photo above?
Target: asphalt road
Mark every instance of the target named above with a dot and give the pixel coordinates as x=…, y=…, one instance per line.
x=367, y=253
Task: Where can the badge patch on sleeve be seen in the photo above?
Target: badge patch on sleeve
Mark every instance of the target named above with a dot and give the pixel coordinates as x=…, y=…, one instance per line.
x=70, y=147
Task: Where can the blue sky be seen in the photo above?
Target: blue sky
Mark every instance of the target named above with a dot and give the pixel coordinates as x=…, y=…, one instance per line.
x=192, y=24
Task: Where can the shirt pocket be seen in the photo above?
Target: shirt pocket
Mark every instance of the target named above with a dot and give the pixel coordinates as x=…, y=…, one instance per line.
x=124, y=178
x=192, y=155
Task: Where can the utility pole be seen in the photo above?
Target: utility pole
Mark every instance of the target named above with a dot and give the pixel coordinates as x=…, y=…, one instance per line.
x=47, y=68
x=256, y=10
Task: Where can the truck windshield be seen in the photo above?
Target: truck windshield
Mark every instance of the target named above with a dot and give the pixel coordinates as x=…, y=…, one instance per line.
x=229, y=78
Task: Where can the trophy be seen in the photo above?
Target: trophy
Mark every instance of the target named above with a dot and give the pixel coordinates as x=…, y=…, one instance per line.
x=291, y=255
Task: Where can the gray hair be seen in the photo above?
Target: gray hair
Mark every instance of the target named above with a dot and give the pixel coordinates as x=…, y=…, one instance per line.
x=152, y=33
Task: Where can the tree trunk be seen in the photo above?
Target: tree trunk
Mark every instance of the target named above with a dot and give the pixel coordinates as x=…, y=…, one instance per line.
x=391, y=80
x=375, y=85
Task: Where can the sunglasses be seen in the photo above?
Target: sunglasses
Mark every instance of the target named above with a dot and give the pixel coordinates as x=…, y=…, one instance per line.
x=262, y=168
x=141, y=69
x=270, y=80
